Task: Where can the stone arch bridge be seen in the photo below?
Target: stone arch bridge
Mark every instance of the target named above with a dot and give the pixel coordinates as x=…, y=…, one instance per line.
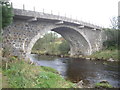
x=29, y=26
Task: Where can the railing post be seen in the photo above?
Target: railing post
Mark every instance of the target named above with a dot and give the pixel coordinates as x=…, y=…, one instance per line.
x=43, y=10
x=58, y=15
x=76, y=18
x=34, y=8
x=23, y=7
x=70, y=18
x=51, y=12
x=65, y=15
x=11, y=4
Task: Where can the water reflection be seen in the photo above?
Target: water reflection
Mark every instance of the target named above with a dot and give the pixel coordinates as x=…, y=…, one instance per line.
x=79, y=69
x=54, y=62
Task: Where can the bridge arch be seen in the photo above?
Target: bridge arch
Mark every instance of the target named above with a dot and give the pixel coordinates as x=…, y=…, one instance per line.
x=79, y=44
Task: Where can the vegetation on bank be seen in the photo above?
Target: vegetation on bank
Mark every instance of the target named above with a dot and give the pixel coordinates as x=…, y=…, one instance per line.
x=110, y=46
x=106, y=54
x=0, y=78
x=23, y=74
x=103, y=85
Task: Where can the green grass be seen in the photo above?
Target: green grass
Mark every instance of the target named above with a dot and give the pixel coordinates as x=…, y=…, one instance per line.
x=105, y=54
x=0, y=78
x=103, y=85
x=38, y=52
x=0, y=68
x=22, y=74
x=49, y=69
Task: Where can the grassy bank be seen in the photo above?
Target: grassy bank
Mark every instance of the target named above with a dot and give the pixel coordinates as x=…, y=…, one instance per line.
x=23, y=74
x=105, y=54
x=0, y=78
x=0, y=68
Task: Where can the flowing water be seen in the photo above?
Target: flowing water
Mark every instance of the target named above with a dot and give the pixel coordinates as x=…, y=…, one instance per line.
x=90, y=72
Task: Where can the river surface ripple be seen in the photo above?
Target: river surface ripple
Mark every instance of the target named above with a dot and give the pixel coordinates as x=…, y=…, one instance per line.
x=75, y=70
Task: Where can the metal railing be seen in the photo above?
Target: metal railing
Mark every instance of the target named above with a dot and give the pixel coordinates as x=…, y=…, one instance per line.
x=58, y=17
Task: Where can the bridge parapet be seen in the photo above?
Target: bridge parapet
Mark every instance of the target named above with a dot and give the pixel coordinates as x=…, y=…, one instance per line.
x=42, y=15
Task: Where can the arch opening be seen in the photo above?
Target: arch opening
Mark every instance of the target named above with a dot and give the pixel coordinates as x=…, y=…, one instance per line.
x=79, y=45
x=51, y=44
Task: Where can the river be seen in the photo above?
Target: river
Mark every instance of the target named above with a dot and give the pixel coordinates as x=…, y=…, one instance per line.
x=73, y=69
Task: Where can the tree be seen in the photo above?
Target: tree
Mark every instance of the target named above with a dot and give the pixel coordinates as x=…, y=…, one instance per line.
x=50, y=37
x=113, y=34
x=7, y=13
x=64, y=47
x=118, y=22
x=114, y=22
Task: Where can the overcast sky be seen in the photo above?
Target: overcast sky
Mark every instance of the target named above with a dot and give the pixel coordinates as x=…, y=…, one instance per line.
x=94, y=11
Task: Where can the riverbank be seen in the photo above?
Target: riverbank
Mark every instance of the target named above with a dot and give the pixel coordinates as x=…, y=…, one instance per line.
x=81, y=71
x=106, y=55
x=24, y=74
x=109, y=55
x=0, y=78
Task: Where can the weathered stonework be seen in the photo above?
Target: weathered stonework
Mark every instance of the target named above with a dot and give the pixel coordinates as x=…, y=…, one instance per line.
x=29, y=26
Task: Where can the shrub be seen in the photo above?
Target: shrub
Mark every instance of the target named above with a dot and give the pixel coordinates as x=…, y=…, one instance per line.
x=103, y=85
x=64, y=47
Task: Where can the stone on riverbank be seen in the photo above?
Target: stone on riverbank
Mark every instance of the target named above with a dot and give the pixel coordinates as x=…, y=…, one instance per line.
x=111, y=59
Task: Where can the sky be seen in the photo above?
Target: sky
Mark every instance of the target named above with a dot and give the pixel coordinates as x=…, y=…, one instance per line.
x=98, y=12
